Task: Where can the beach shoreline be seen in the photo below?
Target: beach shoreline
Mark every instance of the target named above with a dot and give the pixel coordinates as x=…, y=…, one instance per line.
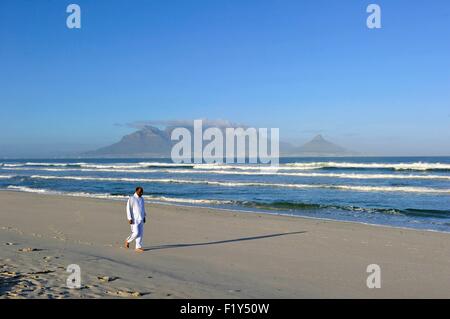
x=229, y=210
x=399, y=192
x=202, y=252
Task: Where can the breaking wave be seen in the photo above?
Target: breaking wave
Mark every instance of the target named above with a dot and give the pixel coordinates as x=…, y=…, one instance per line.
x=234, y=172
x=275, y=205
x=417, y=166
x=286, y=205
x=99, y=166
x=361, y=188
x=119, y=196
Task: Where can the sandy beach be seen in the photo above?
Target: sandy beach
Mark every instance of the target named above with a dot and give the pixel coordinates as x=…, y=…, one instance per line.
x=206, y=253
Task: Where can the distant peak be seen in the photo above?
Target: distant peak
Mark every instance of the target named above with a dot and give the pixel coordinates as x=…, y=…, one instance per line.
x=318, y=138
x=150, y=128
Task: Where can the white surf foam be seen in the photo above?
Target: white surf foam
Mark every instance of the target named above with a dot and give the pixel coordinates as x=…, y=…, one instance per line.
x=53, y=192
x=127, y=166
x=149, y=198
x=188, y=200
x=51, y=164
x=31, y=190
x=420, y=166
x=95, y=165
x=255, y=173
x=362, y=188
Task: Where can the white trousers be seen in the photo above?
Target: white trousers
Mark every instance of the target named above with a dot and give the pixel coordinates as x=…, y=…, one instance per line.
x=137, y=232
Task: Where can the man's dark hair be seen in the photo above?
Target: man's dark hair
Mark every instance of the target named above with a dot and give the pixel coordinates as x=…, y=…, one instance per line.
x=139, y=188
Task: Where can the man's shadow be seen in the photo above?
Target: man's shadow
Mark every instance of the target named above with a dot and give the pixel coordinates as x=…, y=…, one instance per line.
x=222, y=241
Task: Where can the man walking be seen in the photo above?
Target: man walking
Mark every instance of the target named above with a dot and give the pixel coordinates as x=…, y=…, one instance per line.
x=136, y=218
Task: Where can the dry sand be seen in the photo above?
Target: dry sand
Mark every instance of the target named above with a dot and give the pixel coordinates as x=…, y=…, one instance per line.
x=206, y=253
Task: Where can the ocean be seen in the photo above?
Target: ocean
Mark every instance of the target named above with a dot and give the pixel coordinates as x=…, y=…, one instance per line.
x=411, y=192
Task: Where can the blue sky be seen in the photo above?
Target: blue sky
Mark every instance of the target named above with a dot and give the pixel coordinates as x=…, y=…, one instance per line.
x=306, y=67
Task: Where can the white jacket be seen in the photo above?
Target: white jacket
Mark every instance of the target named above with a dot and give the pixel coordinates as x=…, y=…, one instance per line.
x=136, y=209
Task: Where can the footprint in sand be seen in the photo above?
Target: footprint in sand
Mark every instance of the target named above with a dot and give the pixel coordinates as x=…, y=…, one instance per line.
x=234, y=290
x=41, y=272
x=8, y=273
x=28, y=249
x=106, y=278
x=125, y=293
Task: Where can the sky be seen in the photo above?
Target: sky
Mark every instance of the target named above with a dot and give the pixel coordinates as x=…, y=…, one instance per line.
x=306, y=67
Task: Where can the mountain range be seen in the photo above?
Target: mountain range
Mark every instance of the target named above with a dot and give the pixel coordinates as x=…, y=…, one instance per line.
x=150, y=141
